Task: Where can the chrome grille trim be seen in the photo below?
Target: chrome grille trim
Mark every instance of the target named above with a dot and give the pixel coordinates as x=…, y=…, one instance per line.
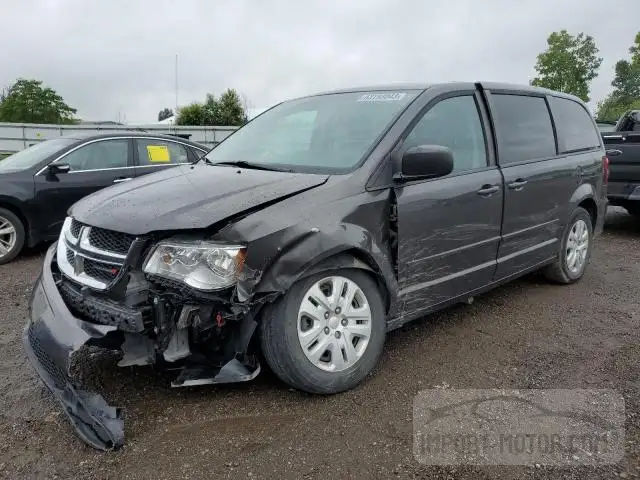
x=82, y=249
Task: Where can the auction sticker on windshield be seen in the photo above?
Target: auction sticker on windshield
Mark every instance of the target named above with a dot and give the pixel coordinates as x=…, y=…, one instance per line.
x=382, y=97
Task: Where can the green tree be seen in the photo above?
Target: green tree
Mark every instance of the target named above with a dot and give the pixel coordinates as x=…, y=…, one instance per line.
x=191, y=115
x=27, y=101
x=164, y=114
x=228, y=110
x=231, y=111
x=626, y=87
x=569, y=64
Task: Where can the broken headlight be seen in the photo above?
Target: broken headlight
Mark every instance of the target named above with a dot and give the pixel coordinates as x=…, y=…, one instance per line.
x=200, y=264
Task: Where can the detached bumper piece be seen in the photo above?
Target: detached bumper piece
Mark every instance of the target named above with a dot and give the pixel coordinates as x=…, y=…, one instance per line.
x=52, y=336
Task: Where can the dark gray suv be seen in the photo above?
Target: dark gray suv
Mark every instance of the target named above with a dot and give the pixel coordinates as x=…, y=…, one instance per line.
x=316, y=228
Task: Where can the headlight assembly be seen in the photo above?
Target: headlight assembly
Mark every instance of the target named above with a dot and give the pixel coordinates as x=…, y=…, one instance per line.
x=201, y=264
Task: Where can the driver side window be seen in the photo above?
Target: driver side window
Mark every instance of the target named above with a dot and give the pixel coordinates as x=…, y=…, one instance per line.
x=104, y=154
x=453, y=123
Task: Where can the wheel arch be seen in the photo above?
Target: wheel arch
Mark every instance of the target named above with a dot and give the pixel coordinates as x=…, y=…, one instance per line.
x=307, y=257
x=584, y=197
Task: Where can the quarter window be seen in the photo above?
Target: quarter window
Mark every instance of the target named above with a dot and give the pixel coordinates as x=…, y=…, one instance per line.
x=160, y=152
x=99, y=155
x=574, y=126
x=453, y=123
x=523, y=127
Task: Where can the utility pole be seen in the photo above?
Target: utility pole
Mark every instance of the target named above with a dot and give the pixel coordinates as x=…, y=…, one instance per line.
x=175, y=112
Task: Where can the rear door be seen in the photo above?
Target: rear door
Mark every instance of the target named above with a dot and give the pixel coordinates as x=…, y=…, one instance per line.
x=449, y=228
x=537, y=185
x=94, y=165
x=624, y=164
x=153, y=155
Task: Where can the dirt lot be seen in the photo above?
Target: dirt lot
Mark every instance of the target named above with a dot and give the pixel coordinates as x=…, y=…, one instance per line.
x=525, y=335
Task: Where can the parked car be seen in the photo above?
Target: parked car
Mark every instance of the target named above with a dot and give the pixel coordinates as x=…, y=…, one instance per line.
x=623, y=150
x=316, y=228
x=39, y=184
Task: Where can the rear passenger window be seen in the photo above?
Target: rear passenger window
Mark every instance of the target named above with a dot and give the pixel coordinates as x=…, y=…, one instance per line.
x=574, y=126
x=523, y=127
x=159, y=152
x=453, y=123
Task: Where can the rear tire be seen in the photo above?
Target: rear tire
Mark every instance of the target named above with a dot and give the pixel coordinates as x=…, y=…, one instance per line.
x=575, y=249
x=633, y=209
x=12, y=236
x=328, y=346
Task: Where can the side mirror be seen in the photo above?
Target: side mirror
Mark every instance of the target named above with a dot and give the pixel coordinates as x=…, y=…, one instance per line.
x=56, y=168
x=425, y=161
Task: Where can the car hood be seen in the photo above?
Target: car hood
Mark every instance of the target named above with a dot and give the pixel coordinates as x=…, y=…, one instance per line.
x=187, y=197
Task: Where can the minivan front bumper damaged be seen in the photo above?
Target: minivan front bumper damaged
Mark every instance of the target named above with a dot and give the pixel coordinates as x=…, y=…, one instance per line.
x=51, y=338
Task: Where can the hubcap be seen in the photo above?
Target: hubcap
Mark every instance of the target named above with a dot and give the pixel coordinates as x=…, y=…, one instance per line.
x=577, y=247
x=7, y=236
x=334, y=324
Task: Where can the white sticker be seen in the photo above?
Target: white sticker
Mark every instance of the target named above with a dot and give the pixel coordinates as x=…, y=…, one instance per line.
x=382, y=97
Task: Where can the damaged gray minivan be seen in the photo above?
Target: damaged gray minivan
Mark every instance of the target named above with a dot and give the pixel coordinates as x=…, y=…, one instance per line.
x=312, y=231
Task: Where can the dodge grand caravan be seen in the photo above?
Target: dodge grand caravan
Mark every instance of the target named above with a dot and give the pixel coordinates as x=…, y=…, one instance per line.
x=312, y=231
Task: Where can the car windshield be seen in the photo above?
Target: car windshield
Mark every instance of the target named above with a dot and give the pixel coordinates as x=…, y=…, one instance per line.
x=33, y=155
x=322, y=134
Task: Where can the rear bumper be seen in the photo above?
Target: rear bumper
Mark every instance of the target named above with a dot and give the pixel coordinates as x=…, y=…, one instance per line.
x=51, y=337
x=600, y=218
x=621, y=192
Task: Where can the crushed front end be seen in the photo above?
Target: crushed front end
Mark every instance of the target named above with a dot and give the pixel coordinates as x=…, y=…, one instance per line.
x=169, y=302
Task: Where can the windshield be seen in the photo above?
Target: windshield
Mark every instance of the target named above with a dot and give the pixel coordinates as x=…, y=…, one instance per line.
x=33, y=155
x=323, y=134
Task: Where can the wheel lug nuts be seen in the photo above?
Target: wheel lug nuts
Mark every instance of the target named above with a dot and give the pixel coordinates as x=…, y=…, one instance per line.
x=326, y=314
x=344, y=322
x=338, y=310
x=337, y=334
x=326, y=330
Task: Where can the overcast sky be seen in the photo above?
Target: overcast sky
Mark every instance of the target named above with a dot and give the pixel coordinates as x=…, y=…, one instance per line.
x=117, y=57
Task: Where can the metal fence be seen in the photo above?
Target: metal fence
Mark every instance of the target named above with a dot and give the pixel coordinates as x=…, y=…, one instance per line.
x=18, y=136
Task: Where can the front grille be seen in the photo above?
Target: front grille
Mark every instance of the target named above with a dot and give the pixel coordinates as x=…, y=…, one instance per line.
x=75, y=228
x=101, y=271
x=110, y=241
x=95, y=256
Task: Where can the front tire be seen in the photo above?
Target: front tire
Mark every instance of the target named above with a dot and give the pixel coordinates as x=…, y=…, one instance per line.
x=633, y=209
x=12, y=236
x=575, y=249
x=326, y=334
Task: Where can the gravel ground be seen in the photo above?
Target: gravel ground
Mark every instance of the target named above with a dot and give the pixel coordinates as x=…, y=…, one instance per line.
x=529, y=334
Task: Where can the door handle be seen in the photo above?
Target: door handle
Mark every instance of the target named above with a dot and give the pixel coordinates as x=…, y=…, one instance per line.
x=487, y=190
x=518, y=184
x=120, y=180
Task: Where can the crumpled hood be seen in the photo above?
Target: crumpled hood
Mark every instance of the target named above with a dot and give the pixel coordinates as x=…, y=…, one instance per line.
x=187, y=197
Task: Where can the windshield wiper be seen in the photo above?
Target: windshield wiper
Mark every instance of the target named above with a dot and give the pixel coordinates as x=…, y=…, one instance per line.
x=253, y=166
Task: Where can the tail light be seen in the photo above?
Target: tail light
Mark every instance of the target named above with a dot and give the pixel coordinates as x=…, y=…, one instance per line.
x=605, y=170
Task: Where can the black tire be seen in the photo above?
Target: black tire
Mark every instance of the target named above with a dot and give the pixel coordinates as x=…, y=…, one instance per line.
x=10, y=217
x=284, y=354
x=559, y=271
x=633, y=209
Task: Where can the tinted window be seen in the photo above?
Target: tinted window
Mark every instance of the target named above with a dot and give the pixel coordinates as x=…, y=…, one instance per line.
x=99, y=155
x=159, y=152
x=574, y=126
x=523, y=127
x=30, y=157
x=324, y=133
x=453, y=123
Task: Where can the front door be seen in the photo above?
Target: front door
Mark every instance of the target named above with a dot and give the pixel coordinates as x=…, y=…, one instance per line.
x=94, y=166
x=449, y=228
